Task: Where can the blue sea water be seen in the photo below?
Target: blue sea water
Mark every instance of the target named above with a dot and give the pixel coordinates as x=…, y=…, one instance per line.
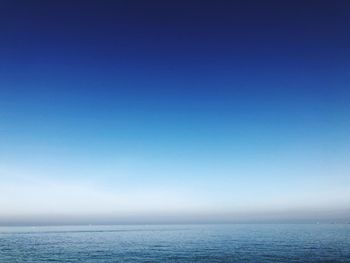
x=177, y=243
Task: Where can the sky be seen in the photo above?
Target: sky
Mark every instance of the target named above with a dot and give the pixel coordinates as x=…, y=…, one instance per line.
x=174, y=111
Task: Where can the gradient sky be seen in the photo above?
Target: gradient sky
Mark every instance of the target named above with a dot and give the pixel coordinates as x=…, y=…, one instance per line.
x=174, y=111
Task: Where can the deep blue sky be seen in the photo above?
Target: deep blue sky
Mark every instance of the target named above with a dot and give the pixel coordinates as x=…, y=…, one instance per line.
x=194, y=110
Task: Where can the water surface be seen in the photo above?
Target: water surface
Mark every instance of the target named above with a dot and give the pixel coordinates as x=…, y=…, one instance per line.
x=177, y=243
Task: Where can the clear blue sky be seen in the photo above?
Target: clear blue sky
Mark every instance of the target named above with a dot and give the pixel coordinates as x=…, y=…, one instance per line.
x=174, y=111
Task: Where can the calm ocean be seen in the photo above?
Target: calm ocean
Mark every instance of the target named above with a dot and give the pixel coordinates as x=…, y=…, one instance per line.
x=177, y=243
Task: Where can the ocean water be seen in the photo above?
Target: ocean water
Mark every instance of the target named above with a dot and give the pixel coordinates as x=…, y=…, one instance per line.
x=177, y=243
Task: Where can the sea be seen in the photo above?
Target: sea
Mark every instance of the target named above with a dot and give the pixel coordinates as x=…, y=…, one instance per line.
x=177, y=243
